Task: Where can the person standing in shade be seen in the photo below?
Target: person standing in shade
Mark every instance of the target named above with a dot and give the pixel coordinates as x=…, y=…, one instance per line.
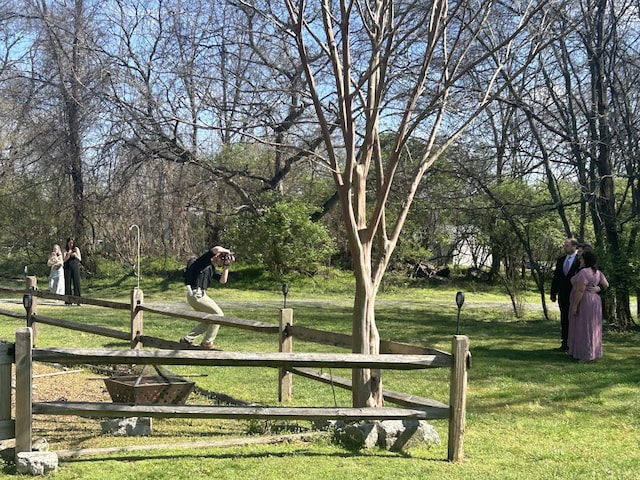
x=585, y=247
x=56, y=275
x=198, y=276
x=72, y=259
x=566, y=267
x=585, y=317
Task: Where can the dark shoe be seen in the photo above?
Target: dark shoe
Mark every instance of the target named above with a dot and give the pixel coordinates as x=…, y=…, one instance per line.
x=184, y=340
x=208, y=346
x=561, y=349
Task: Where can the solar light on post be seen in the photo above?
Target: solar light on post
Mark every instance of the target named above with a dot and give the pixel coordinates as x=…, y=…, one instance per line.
x=27, y=302
x=285, y=291
x=459, y=302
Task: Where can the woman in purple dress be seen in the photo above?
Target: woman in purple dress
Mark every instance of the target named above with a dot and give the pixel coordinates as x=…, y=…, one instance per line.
x=585, y=317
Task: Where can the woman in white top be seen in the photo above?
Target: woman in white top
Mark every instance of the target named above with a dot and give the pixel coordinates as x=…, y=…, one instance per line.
x=56, y=276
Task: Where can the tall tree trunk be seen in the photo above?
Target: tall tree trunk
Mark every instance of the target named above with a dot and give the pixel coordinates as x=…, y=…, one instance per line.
x=74, y=150
x=367, y=383
x=605, y=206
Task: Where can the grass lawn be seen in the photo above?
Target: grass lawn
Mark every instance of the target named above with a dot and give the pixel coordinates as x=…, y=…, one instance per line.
x=532, y=413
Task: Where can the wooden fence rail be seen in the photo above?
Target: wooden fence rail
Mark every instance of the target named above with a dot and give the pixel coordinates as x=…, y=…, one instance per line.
x=397, y=355
x=25, y=355
x=136, y=332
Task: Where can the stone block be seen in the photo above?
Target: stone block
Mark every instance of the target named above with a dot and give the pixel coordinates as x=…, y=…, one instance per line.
x=36, y=463
x=324, y=425
x=127, y=427
x=399, y=435
x=360, y=435
x=40, y=445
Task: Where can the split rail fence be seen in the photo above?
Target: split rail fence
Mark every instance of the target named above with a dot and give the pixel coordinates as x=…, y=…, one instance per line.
x=395, y=356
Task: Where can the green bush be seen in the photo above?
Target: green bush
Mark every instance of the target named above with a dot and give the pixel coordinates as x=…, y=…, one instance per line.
x=283, y=240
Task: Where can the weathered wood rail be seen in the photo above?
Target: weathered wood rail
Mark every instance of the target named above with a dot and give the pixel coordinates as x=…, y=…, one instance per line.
x=396, y=355
x=25, y=355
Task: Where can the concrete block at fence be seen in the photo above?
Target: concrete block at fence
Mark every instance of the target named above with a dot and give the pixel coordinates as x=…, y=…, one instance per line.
x=325, y=424
x=359, y=435
x=40, y=445
x=127, y=427
x=36, y=463
x=401, y=435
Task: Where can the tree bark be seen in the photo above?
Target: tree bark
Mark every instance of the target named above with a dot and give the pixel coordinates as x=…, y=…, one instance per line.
x=367, y=383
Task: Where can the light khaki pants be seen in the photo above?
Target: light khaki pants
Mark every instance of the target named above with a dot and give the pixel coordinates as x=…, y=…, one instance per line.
x=201, y=302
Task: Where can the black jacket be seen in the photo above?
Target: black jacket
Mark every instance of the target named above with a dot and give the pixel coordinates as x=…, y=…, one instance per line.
x=200, y=273
x=561, y=283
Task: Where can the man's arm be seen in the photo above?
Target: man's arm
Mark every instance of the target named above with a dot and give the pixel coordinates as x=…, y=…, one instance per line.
x=225, y=274
x=222, y=257
x=202, y=261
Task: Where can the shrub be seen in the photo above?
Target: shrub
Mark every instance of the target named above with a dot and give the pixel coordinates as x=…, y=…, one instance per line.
x=283, y=240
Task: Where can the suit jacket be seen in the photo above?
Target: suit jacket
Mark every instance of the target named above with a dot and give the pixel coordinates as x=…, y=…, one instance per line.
x=561, y=283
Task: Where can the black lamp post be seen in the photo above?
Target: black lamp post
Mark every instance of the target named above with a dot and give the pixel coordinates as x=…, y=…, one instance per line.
x=285, y=291
x=27, y=301
x=459, y=302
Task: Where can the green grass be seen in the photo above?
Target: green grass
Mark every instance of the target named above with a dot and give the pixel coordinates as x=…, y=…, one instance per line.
x=532, y=413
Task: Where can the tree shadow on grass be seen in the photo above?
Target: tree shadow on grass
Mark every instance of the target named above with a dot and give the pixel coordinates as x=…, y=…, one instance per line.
x=518, y=377
x=206, y=453
x=537, y=355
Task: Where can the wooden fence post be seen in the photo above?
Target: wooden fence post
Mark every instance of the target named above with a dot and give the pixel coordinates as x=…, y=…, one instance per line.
x=285, y=384
x=30, y=303
x=458, y=397
x=24, y=389
x=7, y=425
x=137, y=298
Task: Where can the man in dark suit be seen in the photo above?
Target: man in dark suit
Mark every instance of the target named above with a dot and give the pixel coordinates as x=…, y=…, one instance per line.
x=566, y=267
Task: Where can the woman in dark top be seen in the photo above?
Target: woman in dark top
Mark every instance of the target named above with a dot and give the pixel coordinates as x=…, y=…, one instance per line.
x=72, y=259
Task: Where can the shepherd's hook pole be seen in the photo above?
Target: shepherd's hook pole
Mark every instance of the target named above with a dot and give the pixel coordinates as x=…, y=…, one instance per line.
x=138, y=264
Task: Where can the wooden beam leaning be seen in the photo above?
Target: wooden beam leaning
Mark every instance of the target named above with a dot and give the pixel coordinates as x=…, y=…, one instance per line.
x=83, y=327
x=398, y=398
x=388, y=346
x=319, y=336
x=240, y=323
x=82, y=300
x=15, y=290
x=89, y=409
x=7, y=313
x=98, y=356
x=344, y=340
x=221, y=443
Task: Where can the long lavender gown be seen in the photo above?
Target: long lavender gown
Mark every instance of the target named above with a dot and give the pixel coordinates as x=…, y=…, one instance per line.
x=585, y=328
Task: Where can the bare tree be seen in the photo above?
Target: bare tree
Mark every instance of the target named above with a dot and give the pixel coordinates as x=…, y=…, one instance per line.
x=396, y=67
x=582, y=111
x=67, y=71
x=207, y=85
